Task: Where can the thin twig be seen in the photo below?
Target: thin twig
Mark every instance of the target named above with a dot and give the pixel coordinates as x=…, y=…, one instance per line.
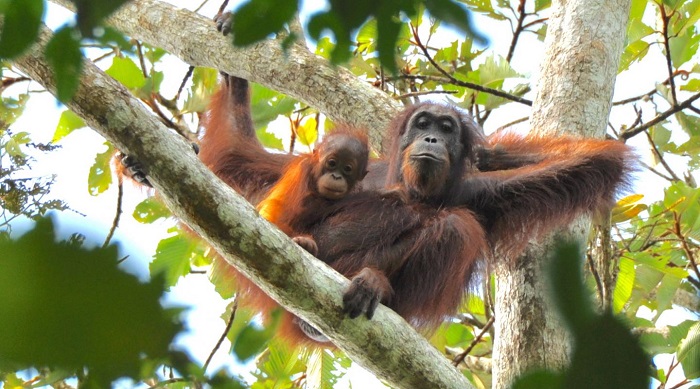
x=190, y=70
x=683, y=73
x=452, y=80
x=115, y=222
x=659, y=118
x=684, y=243
x=460, y=358
x=427, y=92
x=518, y=30
x=669, y=65
x=229, y=323
x=196, y=10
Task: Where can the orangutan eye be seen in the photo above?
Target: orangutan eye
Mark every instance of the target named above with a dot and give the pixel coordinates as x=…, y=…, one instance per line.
x=423, y=123
x=331, y=164
x=446, y=126
x=347, y=169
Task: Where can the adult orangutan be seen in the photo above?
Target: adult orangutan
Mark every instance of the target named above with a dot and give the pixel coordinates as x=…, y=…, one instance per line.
x=461, y=196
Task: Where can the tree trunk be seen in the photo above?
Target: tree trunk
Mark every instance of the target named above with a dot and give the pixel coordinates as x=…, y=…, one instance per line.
x=583, y=47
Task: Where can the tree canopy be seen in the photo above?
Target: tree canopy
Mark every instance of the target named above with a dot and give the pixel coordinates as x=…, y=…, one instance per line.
x=365, y=61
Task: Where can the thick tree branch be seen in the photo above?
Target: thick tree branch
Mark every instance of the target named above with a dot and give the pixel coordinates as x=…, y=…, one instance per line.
x=333, y=90
x=385, y=345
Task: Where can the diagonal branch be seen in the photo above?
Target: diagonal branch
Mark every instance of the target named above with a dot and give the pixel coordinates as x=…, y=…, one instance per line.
x=659, y=118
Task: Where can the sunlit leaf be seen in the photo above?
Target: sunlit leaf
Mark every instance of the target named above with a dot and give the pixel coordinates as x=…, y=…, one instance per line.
x=321, y=369
x=172, y=258
x=68, y=122
x=624, y=284
x=307, y=132
x=127, y=72
x=269, y=140
x=150, y=210
x=684, y=46
x=623, y=213
x=12, y=108
x=267, y=105
x=634, y=52
x=100, y=176
x=458, y=335
x=689, y=353
x=204, y=84
x=13, y=145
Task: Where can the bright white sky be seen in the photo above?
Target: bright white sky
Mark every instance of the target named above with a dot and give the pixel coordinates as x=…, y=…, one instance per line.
x=93, y=215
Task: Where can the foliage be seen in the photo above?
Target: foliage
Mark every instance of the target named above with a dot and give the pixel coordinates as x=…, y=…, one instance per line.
x=653, y=242
x=257, y=19
x=108, y=340
x=20, y=193
x=22, y=22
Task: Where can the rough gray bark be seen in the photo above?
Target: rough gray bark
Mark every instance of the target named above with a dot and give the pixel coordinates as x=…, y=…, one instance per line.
x=333, y=90
x=583, y=46
x=386, y=345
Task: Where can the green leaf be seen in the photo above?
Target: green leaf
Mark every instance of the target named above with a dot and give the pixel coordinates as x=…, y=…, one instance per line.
x=91, y=12
x=257, y=19
x=68, y=123
x=127, y=72
x=20, y=27
x=624, y=284
x=634, y=52
x=267, y=105
x=204, y=84
x=388, y=30
x=12, y=146
x=458, y=335
x=269, y=140
x=607, y=356
x=63, y=53
x=72, y=308
x=539, y=380
x=541, y=5
x=684, y=46
x=150, y=210
x=172, y=258
x=253, y=339
x=569, y=293
x=100, y=176
x=12, y=108
x=495, y=70
x=454, y=14
x=689, y=124
x=637, y=29
x=321, y=369
x=689, y=353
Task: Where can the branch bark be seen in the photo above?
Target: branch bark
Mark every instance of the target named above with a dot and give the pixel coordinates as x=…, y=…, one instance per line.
x=583, y=46
x=386, y=345
x=333, y=90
